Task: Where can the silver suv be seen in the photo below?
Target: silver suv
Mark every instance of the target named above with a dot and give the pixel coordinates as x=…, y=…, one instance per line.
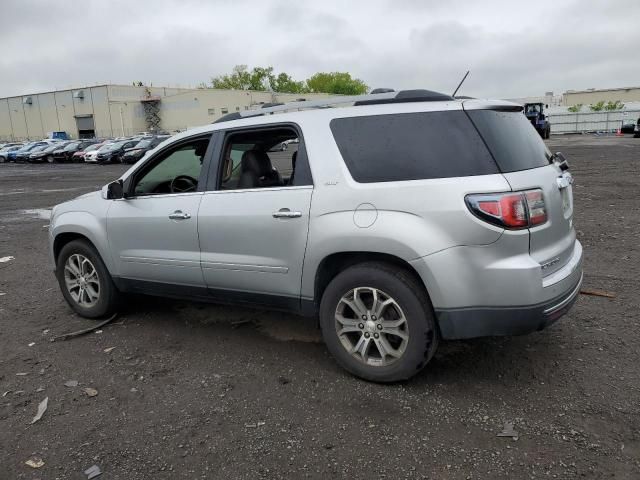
x=399, y=220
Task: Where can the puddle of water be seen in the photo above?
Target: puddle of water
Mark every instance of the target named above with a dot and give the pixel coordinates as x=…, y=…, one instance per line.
x=41, y=213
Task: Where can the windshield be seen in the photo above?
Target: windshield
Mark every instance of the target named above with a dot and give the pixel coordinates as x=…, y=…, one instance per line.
x=114, y=146
x=143, y=143
x=71, y=146
x=106, y=147
x=93, y=147
x=39, y=148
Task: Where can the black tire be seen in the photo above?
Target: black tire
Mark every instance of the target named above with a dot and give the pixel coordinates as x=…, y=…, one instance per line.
x=109, y=296
x=50, y=159
x=414, y=302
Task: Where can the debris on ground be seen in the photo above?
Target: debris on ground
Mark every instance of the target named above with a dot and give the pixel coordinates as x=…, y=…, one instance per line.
x=107, y=350
x=597, y=293
x=6, y=259
x=91, y=392
x=93, y=472
x=283, y=380
x=6, y=393
x=21, y=374
x=254, y=425
x=2, y=294
x=77, y=333
x=508, y=431
x=71, y=383
x=42, y=407
x=35, y=462
x=32, y=344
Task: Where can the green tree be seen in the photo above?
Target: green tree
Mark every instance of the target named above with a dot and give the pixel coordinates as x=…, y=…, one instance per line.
x=264, y=78
x=339, y=83
x=597, y=107
x=617, y=105
x=575, y=108
x=283, y=83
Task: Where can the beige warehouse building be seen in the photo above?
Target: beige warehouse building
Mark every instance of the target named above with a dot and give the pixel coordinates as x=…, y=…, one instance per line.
x=120, y=110
x=594, y=95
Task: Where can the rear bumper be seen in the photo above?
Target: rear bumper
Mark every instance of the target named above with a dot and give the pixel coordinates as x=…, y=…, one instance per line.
x=500, y=321
x=495, y=290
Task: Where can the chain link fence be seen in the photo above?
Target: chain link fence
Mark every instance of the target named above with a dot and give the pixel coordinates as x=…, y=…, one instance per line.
x=590, y=122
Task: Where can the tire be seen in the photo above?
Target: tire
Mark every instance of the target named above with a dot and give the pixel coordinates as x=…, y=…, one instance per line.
x=410, y=305
x=107, y=300
x=50, y=159
x=2, y=159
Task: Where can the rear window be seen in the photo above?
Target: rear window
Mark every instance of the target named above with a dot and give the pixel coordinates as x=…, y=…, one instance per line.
x=411, y=146
x=513, y=141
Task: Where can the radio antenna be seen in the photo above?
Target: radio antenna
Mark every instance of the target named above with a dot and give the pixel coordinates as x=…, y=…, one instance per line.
x=460, y=84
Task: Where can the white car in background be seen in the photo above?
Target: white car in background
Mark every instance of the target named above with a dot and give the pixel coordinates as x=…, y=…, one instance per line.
x=92, y=156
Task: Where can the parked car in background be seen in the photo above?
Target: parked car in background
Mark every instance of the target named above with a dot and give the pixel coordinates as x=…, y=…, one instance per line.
x=10, y=144
x=628, y=126
x=636, y=130
x=66, y=153
x=23, y=154
x=4, y=152
x=132, y=155
x=113, y=152
x=79, y=156
x=45, y=154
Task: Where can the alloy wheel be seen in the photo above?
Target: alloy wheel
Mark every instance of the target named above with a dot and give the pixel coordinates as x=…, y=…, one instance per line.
x=371, y=326
x=81, y=279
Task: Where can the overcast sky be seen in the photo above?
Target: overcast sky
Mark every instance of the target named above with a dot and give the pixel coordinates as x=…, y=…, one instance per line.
x=512, y=48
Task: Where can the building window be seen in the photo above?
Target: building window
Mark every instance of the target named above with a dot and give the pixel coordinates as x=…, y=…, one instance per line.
x=225, y=110
x=211, y=111
x=246, y=107
x=237, y=109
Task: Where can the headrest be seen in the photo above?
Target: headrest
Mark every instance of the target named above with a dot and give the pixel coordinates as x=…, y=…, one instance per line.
x=257, y=162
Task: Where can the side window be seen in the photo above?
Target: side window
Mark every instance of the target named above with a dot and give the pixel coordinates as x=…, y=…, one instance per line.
x=174, y=171
x=266, y=158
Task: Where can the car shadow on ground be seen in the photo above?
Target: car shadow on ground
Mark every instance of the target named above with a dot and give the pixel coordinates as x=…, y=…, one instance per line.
x=508, y=361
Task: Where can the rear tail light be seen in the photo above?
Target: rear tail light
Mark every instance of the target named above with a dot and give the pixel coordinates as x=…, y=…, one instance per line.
x=513, y=210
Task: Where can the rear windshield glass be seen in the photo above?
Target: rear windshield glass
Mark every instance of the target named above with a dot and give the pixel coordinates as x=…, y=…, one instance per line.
x=411, y=146
x=513, y=141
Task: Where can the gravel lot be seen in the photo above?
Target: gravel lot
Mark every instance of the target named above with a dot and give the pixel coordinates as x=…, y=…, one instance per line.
x=207, y=391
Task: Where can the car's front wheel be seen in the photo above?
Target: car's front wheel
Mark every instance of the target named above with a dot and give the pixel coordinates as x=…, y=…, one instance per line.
x=378, y=323
x=85, y=281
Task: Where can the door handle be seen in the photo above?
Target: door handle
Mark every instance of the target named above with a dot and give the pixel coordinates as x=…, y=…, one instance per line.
x=178, y=215
x=286, y=213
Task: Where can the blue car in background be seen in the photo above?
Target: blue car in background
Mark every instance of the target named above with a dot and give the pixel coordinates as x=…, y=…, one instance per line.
x=20, y=153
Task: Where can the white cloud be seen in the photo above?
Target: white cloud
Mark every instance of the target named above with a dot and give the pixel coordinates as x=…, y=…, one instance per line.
x=512, y=48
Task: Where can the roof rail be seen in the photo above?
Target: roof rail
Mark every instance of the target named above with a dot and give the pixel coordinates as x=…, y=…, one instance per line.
x=370, y=99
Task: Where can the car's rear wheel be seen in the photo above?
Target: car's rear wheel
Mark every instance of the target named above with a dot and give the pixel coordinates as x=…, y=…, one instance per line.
x=378, y=323
x=50, y=159
x=85, y=281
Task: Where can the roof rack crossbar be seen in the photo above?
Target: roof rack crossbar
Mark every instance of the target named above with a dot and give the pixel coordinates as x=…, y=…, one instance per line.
x=322, y=103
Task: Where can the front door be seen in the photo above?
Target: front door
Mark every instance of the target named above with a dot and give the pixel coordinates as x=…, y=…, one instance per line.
x=153, y=233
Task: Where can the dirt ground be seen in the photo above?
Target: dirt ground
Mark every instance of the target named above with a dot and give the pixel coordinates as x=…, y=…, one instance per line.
x=206, y=391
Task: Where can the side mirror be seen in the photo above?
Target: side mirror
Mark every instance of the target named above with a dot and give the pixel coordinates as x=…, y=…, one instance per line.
x=115, y=190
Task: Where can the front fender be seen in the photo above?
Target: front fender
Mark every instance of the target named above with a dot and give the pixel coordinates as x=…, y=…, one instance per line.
x=87, y=225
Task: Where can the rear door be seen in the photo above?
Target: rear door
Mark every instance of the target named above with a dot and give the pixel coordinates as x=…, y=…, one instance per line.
x=253, y=240
x=526, y=163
